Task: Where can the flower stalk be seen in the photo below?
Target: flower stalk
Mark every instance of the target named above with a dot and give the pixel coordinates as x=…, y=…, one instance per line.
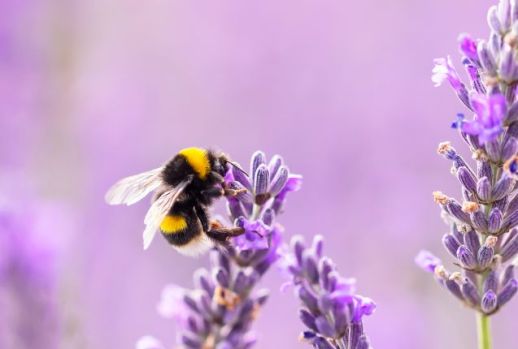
x=484, y=331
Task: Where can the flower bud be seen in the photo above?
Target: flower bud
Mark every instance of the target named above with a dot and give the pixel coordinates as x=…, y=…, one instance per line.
x=467, y=179
x=451, y=244
x=307, y=319
x=507, y=292
x=485, y=255
x=466, y=257
x=261, y=180
x=486, y=58
x=495, y=220
x=471, y=241
x=484, y=189
x=279, y=181
x=510, y=148
x=469, y=290
x=502, y=187
x=488, y=302
x=491, y=282
x=507, y=64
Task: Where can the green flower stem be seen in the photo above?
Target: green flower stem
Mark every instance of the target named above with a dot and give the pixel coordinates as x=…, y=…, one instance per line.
x=484, y=331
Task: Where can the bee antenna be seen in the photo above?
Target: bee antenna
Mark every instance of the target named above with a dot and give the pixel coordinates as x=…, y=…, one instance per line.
x=237, y=166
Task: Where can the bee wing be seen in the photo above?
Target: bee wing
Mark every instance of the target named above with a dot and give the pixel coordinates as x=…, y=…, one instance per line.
x=159, y=210
x=134, y=188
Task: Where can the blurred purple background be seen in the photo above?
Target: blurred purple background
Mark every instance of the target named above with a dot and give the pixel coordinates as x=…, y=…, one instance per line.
x=92, y=91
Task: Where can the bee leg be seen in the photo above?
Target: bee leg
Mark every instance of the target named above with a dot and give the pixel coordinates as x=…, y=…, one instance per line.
x=223, y=234
x=216, y=177
x=225, y=191
x=213, y=193
x=201, y=212
x=233, y=192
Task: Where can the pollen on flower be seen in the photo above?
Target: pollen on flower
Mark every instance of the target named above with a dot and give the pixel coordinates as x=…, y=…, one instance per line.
x=470, y=207
x=464, y=228
x=480, y=155
x=444, y=147
x=256, y=311
x=227, y=298
x=441, y=272
x=210, y=342
x=440, y=198
x=511, y=39
x=490, y=81
x=456, y=276
x=491, y=241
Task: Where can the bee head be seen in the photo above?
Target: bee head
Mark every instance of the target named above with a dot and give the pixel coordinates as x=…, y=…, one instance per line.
x=223, y=164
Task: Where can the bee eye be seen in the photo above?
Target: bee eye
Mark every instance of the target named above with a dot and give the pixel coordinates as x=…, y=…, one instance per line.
x=221, y=165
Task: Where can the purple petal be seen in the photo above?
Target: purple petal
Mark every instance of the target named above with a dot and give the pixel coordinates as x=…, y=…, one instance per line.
x=427, y=261
x=468, y=46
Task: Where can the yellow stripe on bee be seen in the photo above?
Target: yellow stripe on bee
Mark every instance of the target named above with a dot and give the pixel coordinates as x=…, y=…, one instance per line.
x=198, y=159
x=173, y=224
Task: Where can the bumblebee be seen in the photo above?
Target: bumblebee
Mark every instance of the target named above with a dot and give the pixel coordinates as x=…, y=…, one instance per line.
x=186, y=186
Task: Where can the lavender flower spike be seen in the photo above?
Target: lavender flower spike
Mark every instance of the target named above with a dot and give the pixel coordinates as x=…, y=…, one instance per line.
x=29, y=315
x=270, y=184
x=220, y=311
x=483, y=238
x=331, y=310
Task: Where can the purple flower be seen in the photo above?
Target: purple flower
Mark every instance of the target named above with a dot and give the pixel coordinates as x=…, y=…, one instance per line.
x=265, y=193
x=226, y=291
x=364, y=306
x=468, y=47
x=444, y=70
x=255, y=236
x=483, y=224
x=474, y=76
x=427, y=261
x=488, y=121
x=171, y=305
x=220, y=311
x=331, y=310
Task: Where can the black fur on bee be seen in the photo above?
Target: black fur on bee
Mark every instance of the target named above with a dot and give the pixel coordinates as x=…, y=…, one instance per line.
x=187, y=223
x=207, y=170
x=186, y=186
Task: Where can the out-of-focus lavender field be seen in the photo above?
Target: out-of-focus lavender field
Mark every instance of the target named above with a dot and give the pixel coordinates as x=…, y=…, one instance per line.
x=91, y=91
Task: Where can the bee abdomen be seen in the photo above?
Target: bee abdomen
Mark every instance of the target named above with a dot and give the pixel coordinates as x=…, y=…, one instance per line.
x=179, y=230
x=173, y=224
